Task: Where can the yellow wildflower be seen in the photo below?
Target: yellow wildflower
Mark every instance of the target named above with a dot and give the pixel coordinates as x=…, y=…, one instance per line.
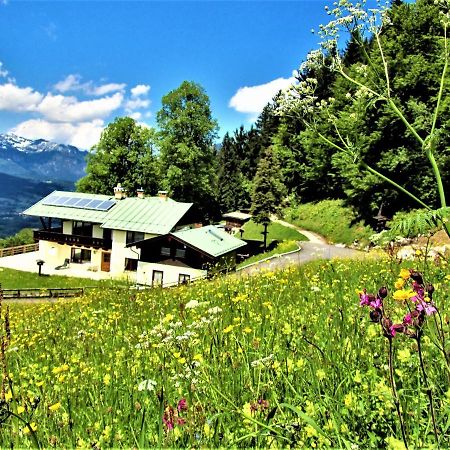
x=247, y=330
x=107, y=379
x=55, y=406
x=402, y=295
x=20, y=409
x=29, y=428
x=310, y=431
x=404, y=355
x=399, y=283
x=404, y=273
x=349, y=400
x=228, y=329
x=320, y=374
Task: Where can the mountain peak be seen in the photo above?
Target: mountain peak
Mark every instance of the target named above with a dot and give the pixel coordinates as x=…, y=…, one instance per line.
x=40, y=159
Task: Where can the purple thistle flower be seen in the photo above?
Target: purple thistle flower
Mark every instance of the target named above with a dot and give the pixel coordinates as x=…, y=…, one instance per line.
x=182, y=405
x=428, y=308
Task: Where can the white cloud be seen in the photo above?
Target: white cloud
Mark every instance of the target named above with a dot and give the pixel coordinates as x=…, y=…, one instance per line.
x=107, y=88
x=70, y=83
x=136, y=115
x=3, y=72
x=68, y=109
x=83, y=135
x=140, y=89
x=17, y=99
x=252, y=99
x=137, y=103
x=73, y=83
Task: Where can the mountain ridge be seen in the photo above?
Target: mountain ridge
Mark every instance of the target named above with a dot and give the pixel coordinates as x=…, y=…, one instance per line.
x=40, y=159
x=29, y=170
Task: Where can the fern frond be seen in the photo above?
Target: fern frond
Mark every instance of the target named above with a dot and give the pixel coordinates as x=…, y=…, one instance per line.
x=418, y=222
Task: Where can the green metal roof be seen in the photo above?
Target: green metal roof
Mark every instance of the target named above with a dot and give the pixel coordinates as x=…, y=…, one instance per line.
x=210, y=240
x=150, y=215
x=40, y=209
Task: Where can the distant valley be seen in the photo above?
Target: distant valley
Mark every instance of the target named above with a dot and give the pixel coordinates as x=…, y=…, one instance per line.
x=30, y=169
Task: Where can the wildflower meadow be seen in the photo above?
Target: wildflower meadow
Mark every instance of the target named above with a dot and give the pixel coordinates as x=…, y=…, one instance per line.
x=303, y=357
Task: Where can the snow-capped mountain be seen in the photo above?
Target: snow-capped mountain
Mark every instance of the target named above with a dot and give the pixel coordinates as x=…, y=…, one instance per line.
x=40, y=159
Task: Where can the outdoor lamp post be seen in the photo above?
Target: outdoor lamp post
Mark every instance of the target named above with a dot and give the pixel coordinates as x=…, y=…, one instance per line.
x=40, y=263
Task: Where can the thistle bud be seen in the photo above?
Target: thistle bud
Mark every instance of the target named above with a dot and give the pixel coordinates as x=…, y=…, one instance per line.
x=383, y=292
x=430, y=290
x=375, y=315
x=416, y=276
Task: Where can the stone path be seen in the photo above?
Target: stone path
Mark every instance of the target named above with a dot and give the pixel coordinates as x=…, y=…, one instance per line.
x=315, y=248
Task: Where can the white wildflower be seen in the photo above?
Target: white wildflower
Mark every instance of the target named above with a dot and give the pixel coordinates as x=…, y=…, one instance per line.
x=147, y=385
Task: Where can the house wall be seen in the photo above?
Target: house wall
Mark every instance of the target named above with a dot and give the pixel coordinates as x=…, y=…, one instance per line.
x=119, y=251
x=55, y=254
x=170, y=273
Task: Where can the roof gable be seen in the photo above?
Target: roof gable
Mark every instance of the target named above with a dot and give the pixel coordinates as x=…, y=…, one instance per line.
x=210, y=240
x=150, y=215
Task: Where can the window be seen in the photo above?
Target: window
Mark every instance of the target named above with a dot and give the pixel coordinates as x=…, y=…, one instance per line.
x=135, y=236
x=165, y=251
x=131, y=264
x=80, y=255
x=183, y=278
x=180, y=253
x=157, y=278
x=106, y=234
x=82, y=229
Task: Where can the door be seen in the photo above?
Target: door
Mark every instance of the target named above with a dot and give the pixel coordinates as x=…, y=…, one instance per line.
x=157, y=278
x=106, y=261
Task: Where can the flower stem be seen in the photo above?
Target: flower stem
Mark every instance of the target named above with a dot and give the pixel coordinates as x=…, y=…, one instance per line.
x=427, y=386
x=395, y=394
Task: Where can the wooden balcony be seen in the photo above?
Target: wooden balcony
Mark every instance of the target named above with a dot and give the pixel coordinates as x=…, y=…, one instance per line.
x=72, y=239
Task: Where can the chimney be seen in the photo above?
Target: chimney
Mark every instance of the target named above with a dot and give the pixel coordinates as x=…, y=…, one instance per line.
x=163, y=195
x=140, y=193
x=119, y=192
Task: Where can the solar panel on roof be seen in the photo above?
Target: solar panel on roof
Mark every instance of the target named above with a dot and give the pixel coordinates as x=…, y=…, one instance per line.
x=105, y=205
x=72, y=201
x=60, y=201
x=82, y=202
x=93, y=204
x=50, y=199
x=64, y=200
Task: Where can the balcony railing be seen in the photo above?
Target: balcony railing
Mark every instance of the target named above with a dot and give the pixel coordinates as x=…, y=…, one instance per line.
x=72, y=239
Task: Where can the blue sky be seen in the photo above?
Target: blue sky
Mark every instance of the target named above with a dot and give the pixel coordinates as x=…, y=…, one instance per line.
x=69, y=67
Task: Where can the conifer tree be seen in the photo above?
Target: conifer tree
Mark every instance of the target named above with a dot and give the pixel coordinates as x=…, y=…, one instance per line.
x=268, y=190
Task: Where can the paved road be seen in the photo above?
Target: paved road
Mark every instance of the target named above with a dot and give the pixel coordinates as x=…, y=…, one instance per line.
x=315, y=248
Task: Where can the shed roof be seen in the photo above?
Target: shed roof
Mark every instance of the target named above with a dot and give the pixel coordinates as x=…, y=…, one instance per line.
x=150, y=215
x=210, y=240
x=40, y=209
x=237, y=215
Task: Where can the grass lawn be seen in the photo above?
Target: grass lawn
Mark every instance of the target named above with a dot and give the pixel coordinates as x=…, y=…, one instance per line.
x=276, y=232
x=17, y=279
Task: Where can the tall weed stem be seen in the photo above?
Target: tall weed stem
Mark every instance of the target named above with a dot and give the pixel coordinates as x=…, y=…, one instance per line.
x=394, y=392
x=427, y=386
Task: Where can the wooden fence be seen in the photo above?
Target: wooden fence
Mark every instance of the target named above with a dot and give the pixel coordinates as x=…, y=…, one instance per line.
x=10, y=251
x=42, y=293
